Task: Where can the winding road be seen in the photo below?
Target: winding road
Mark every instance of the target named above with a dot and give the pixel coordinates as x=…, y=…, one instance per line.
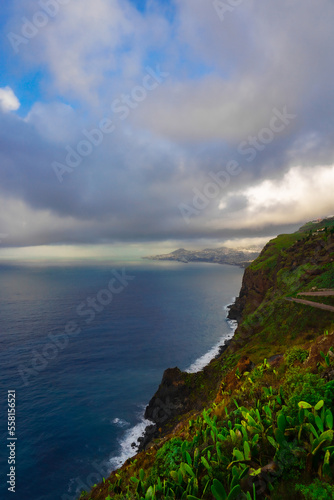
x=321, y=293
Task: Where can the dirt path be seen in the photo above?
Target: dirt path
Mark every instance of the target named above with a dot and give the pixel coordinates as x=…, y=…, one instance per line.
x=312, y=304
x=322, y=293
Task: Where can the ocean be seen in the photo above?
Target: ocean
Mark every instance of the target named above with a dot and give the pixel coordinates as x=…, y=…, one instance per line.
x=84, y=347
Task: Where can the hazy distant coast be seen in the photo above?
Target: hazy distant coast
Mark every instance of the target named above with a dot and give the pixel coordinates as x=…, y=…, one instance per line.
x=222, y=255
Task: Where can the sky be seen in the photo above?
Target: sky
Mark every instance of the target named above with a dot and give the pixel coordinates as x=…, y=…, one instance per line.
x=134, y=126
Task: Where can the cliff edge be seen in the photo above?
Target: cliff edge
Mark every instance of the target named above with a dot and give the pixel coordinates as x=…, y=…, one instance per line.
x=257, y=422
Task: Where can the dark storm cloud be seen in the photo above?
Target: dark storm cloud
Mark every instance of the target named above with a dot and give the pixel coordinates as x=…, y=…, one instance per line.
x=227, y=82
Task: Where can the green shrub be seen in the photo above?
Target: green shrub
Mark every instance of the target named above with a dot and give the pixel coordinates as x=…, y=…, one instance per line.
x=316, y=490
x=168, y=458
x=304, y=386
x=295, y=354
x=329, y=395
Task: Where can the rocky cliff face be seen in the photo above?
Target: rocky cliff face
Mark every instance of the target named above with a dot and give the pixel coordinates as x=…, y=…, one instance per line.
x=171, y=400
x=288, y=265
x=180, y=393
x=255, y=285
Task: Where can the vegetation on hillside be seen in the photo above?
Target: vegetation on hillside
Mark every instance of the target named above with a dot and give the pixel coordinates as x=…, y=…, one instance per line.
x=267, y=430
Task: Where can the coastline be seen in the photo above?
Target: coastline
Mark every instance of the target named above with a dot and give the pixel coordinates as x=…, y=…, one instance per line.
x=127, y=442
x=218, y=348
x=138, y=437
x=242, y=265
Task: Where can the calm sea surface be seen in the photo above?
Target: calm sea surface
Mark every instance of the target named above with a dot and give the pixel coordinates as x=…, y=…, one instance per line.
x=80, y=396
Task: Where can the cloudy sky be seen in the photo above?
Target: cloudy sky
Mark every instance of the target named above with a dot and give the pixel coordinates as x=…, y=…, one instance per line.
x=133, y=125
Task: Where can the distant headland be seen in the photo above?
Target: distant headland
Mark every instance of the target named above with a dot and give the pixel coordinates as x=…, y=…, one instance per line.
x=221, y=255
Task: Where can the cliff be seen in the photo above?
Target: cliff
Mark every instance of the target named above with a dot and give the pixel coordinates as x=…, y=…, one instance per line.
x=180, y=394
x=287, y=266
x=257, y=422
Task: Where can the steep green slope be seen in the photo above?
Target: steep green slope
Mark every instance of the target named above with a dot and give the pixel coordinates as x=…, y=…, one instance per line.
x=257, y=423
x=288, y=265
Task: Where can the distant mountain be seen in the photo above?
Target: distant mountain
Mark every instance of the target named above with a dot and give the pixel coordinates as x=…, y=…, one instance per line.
x=222, y=255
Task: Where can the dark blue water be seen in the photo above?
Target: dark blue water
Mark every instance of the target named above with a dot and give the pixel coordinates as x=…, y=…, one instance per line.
x=80, y=399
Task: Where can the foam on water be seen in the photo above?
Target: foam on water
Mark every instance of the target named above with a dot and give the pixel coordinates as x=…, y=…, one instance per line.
x=127, y=450
x=204, y=360
x=120, y=422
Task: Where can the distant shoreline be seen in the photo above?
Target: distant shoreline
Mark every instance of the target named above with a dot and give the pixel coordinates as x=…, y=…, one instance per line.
x=242, y=265
x=222, y=255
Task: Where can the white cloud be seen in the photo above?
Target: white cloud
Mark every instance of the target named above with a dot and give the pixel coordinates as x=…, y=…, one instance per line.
x=91, y=48
x=209, y=109
x=310, y=188
x=254, y=244
x=262, y=56
x=300, y=195
x=8, y=100
x=54, y=121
